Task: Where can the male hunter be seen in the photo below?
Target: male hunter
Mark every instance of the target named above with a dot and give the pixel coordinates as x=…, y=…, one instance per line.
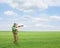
x=15, y=32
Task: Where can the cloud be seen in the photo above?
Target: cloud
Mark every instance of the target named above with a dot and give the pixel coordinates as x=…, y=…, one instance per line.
x=44, y=19
x=55, y=17
x=28, y=5
x=36, y=19
x=10, y=13
x=39, y=19
x=44, y=26
x=38, y=25
x=28, y=11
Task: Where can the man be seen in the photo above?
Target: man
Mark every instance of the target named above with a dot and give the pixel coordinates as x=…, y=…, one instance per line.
x=15, y=32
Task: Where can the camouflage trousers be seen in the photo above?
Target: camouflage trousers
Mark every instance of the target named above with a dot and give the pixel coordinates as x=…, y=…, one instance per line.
x=15, y=36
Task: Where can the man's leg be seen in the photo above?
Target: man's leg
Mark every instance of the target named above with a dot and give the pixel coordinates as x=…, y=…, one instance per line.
x=15, y=38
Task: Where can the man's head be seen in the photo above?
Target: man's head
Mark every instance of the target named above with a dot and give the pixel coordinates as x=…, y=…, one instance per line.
x=15, y=24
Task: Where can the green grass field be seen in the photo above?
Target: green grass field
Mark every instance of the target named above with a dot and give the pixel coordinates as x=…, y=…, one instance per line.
x=31, y=40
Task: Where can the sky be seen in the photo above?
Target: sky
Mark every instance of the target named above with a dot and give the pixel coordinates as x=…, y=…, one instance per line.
x=35, y=15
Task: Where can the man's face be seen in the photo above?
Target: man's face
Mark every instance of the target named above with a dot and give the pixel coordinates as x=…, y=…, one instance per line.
x=15, y=24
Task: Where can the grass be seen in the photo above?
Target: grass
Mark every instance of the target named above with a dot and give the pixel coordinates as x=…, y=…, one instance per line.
x=31, y=40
